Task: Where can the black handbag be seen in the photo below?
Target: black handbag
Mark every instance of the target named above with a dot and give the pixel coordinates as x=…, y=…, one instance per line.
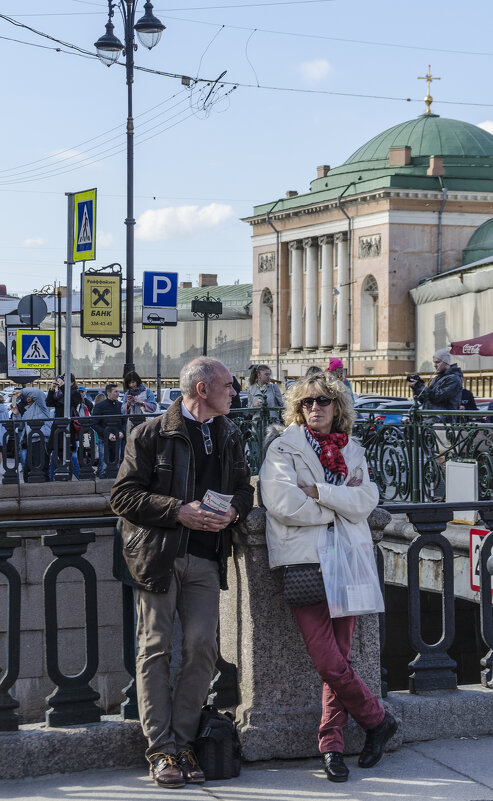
x=303, y=585
x=217, y=746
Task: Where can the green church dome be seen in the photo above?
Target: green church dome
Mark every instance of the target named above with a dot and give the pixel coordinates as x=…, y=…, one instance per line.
x=480, y=245
x=428, y=135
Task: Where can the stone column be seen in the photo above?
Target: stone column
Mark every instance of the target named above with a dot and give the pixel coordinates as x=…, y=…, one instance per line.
x=342, y=287
x=296, y=256
x=326, y=335
x=279, y=689
x=311, y=293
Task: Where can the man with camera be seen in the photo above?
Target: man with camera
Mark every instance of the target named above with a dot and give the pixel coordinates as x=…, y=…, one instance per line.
x=445, y=389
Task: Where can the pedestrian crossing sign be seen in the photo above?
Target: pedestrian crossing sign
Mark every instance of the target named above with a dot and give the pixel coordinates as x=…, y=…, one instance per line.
x=85, y=225
x=35, y=348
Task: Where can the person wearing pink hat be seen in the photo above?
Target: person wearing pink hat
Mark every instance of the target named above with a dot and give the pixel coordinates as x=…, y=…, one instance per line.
x=336, y=367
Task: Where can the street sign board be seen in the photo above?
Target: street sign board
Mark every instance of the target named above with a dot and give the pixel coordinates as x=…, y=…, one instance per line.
x=159, y=316
x=35, y=348
x=204, y=306
x=13, y=371
x=160, y=290
x=32, y=310
x=476, y=535
x=84, y=247
x=101, y=305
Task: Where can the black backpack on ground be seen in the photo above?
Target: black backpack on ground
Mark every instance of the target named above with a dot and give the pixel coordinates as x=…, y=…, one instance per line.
x=217, y=746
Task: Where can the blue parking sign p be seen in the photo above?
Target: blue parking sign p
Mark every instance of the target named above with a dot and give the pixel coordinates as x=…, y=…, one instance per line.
x=160, y=290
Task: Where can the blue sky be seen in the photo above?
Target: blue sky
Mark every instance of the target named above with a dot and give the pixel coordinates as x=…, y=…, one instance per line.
x=197, y=173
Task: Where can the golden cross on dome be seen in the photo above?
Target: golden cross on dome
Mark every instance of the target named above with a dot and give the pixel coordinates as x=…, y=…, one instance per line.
x=429, y=78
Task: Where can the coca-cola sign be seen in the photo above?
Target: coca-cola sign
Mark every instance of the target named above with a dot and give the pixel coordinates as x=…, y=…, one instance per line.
x=475, y=346
x=472, y=350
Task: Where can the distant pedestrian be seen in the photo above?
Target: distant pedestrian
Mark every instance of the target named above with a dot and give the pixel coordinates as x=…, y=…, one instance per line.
x=109, y=426
x=467, y=401
x=313, y=370
x=4, y=415
x=85, y=399
x=138, y=398
x=56, y=399
x=445, y=388
x=262, y=391
x=34, y=441
x=336, y=367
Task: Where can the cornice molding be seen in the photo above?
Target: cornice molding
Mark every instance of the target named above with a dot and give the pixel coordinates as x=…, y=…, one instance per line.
x=366, y=197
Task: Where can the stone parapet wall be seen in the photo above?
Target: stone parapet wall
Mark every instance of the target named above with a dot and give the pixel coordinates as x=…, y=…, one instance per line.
x=280, y=691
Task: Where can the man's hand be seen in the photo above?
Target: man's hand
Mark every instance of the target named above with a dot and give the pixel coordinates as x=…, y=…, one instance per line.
x=312, y=492
x=121, y=434
x=111, y=437
x=193, y=516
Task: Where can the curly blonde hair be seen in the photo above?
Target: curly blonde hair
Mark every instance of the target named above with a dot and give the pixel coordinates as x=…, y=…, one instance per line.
x=325, y=384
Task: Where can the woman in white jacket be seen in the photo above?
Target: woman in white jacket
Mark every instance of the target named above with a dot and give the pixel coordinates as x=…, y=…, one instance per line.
x=312, y=472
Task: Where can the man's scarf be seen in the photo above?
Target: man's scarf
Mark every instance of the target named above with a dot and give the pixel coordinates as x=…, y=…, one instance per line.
x=328, y=449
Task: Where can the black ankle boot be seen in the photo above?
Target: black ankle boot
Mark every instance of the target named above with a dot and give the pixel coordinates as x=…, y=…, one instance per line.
x=334, y=766
x=375, y=741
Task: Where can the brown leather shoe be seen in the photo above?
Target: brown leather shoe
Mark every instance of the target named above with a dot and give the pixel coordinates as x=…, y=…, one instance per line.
x=165, y=771
x=187, y=762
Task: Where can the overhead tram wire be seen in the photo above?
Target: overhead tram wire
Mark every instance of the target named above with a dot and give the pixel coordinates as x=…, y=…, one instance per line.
x=102, y=156
x=55, y=160
x=93, y=138
x=333, y=38
x=254, y=86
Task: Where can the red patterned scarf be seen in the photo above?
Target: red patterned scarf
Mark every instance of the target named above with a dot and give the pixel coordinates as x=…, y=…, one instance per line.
x=330, y=454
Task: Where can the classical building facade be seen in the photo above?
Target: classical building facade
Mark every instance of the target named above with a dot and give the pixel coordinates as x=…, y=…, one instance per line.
x=333, y=268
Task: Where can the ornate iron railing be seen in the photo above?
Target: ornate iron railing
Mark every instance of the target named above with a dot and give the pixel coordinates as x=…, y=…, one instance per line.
x=408, y=460
x=43, y=450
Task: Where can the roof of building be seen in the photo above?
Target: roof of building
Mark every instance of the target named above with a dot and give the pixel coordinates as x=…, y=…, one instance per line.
x=465, y=149
x=428, y=135
x=480, y=245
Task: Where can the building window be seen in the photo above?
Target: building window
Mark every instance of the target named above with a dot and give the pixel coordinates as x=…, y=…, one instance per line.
x=369, y=314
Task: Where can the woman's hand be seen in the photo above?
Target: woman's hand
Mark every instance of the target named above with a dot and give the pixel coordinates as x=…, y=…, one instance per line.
x=354, y=481
x=312, y=491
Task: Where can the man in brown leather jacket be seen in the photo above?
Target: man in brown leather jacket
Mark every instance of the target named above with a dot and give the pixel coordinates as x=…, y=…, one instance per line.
x=176, y=552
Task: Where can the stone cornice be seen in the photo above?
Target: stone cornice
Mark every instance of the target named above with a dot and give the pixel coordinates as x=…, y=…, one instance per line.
x=379, y=194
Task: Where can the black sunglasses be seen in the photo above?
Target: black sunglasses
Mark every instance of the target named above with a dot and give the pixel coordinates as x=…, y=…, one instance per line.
x=207, y=438
x=322, y=400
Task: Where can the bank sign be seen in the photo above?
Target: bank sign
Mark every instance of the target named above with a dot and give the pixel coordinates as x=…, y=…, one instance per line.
x=101, y=305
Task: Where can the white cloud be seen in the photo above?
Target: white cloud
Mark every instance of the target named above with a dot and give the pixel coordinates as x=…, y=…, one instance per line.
x=487, y=125
x=316, y=70
x=33, y=242
x=157, y=225
x=104, y=239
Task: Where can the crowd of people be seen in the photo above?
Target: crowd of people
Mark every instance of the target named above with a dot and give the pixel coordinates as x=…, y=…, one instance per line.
x=111, y=419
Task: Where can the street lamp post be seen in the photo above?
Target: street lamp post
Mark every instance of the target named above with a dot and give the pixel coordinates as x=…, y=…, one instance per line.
x=109, y=47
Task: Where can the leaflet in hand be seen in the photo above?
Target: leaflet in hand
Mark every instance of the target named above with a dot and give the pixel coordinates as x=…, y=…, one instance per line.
x=215, y=502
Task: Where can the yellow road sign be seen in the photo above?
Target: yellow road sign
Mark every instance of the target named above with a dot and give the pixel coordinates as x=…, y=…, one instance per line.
x=85, y=225
x=101, y=305
x=35, y=348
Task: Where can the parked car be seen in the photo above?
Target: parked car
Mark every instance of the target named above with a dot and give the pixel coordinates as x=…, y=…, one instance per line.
x=371, y=402
x=168, y=396
x=393, y=412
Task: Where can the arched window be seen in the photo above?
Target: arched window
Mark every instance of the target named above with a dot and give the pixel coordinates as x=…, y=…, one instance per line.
x=266, y=314
x=369, y=314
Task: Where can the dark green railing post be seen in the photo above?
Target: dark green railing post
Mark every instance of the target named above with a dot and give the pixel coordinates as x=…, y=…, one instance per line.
x=415, y=483
x=9, y=719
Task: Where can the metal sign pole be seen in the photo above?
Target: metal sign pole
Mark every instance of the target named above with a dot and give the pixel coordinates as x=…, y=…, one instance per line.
x=158, y=364
x=68, y=315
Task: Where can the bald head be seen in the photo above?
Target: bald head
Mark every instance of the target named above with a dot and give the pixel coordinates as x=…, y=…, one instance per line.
x=207, y=388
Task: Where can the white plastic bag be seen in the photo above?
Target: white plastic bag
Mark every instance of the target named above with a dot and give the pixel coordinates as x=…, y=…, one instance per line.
x=349, y=569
